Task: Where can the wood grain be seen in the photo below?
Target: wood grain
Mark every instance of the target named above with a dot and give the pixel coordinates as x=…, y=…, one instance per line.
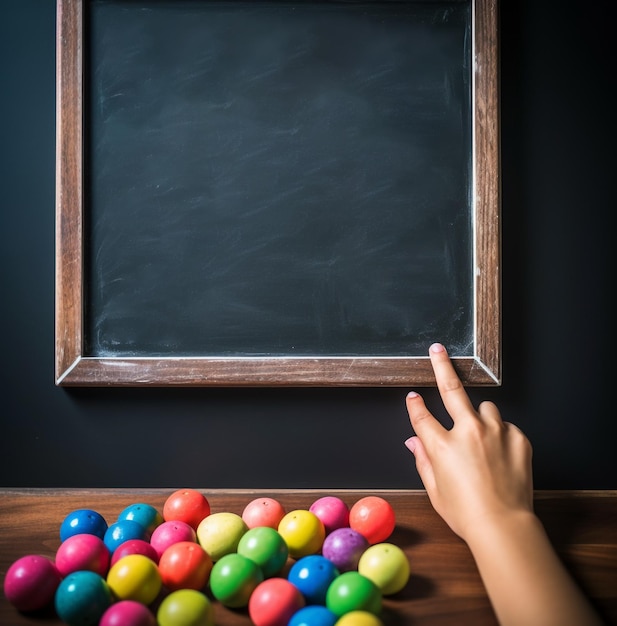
x=69, y=187
x=444, y=587
x=74, y=368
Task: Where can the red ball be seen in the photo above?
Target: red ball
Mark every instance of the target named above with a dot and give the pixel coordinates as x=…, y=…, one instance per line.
x=134, y=546
x=274, y=601
x=83, y=552
x=31, y=582
x=373, y=517
x=186, y=505
x=185, y=565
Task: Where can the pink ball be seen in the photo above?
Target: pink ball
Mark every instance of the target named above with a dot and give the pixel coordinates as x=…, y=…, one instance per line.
x=169, y=533
x=128, y=613
x=83, y=552
x=31, y=582
x=263, y=512
x=332, y=511
x=134, y=546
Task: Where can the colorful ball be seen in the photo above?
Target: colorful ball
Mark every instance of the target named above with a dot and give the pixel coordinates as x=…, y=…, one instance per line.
x=233, y=579
x=122, y=531
x=83, y=521
x=128, y=613
x=186, y=505
x=220, y=533
x=303, y=532
x=332, y=511
x=387, y=566
x=82, y=598
x=374, y=517
x=185, y=565
x=83, y=552
x=266, y=547
x=314, y=615
x=274, y=602
x=30, y=582
x=263, y=512
x=344, y=547
x=313, y=575
x=135, y=577
x=144, y=514
x=353, y=592
x=134, y=546
x=185, y=607
x=359, y=618
x=169, y=533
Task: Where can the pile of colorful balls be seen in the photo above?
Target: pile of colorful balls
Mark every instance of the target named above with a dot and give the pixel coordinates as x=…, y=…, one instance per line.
x=328, y=565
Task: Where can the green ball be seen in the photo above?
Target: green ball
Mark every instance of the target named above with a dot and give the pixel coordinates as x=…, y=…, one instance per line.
x=187, y=607
x=351, y=591
x=266, y=547
x=233, y=579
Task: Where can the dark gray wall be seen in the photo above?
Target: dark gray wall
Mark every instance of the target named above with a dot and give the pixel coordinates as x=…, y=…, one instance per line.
x=558, y=181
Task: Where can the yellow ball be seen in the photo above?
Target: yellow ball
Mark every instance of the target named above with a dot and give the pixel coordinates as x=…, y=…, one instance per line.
x=303, y=532
x=359, y=618
x=135, y=577
x=220, y=533
x=386, y=565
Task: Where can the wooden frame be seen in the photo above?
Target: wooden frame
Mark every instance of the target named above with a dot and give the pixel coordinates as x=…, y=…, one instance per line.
x=73, y=368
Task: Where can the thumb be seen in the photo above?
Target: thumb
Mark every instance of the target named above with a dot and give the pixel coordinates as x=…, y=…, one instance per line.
x=423, y=463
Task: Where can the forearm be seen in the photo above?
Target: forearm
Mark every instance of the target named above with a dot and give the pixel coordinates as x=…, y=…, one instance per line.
x=524, y=578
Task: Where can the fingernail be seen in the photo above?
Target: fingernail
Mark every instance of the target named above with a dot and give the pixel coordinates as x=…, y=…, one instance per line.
x=412, y=394
x=436, y=347
x=410, y=444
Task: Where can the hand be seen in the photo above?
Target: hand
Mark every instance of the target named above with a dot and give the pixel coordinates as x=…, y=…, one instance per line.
x=480, y=469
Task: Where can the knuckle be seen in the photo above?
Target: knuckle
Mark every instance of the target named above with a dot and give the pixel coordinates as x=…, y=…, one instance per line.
x=450, y=384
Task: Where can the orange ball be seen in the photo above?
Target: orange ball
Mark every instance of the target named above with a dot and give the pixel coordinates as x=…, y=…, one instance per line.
x=185, y=565
x=186, y=505
x=373, y=517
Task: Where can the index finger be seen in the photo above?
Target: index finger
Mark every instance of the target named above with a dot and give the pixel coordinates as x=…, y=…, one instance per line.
x=422, y=420
x=450, y=387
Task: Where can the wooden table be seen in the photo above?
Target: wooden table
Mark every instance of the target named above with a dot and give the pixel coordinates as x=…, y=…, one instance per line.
x=444, y=587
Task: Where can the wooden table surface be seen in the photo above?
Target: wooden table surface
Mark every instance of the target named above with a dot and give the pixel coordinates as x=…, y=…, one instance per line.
x=444, y=587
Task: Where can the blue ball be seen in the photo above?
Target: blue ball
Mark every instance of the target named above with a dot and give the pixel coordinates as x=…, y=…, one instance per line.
x=82, y=598
x=312, y=575
x=313, y=615
x=83, y=522
x=122, y=531
x=145, y=514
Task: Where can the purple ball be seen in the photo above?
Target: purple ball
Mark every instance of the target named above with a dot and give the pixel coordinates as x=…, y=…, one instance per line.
x=344, y=547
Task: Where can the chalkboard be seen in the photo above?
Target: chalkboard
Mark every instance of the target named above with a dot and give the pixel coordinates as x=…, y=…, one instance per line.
x=276, y=193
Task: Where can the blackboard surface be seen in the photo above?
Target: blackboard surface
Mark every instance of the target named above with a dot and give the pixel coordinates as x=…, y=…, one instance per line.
x=278, y=178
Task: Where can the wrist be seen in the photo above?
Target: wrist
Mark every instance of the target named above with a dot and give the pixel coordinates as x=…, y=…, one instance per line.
x=502, y=525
